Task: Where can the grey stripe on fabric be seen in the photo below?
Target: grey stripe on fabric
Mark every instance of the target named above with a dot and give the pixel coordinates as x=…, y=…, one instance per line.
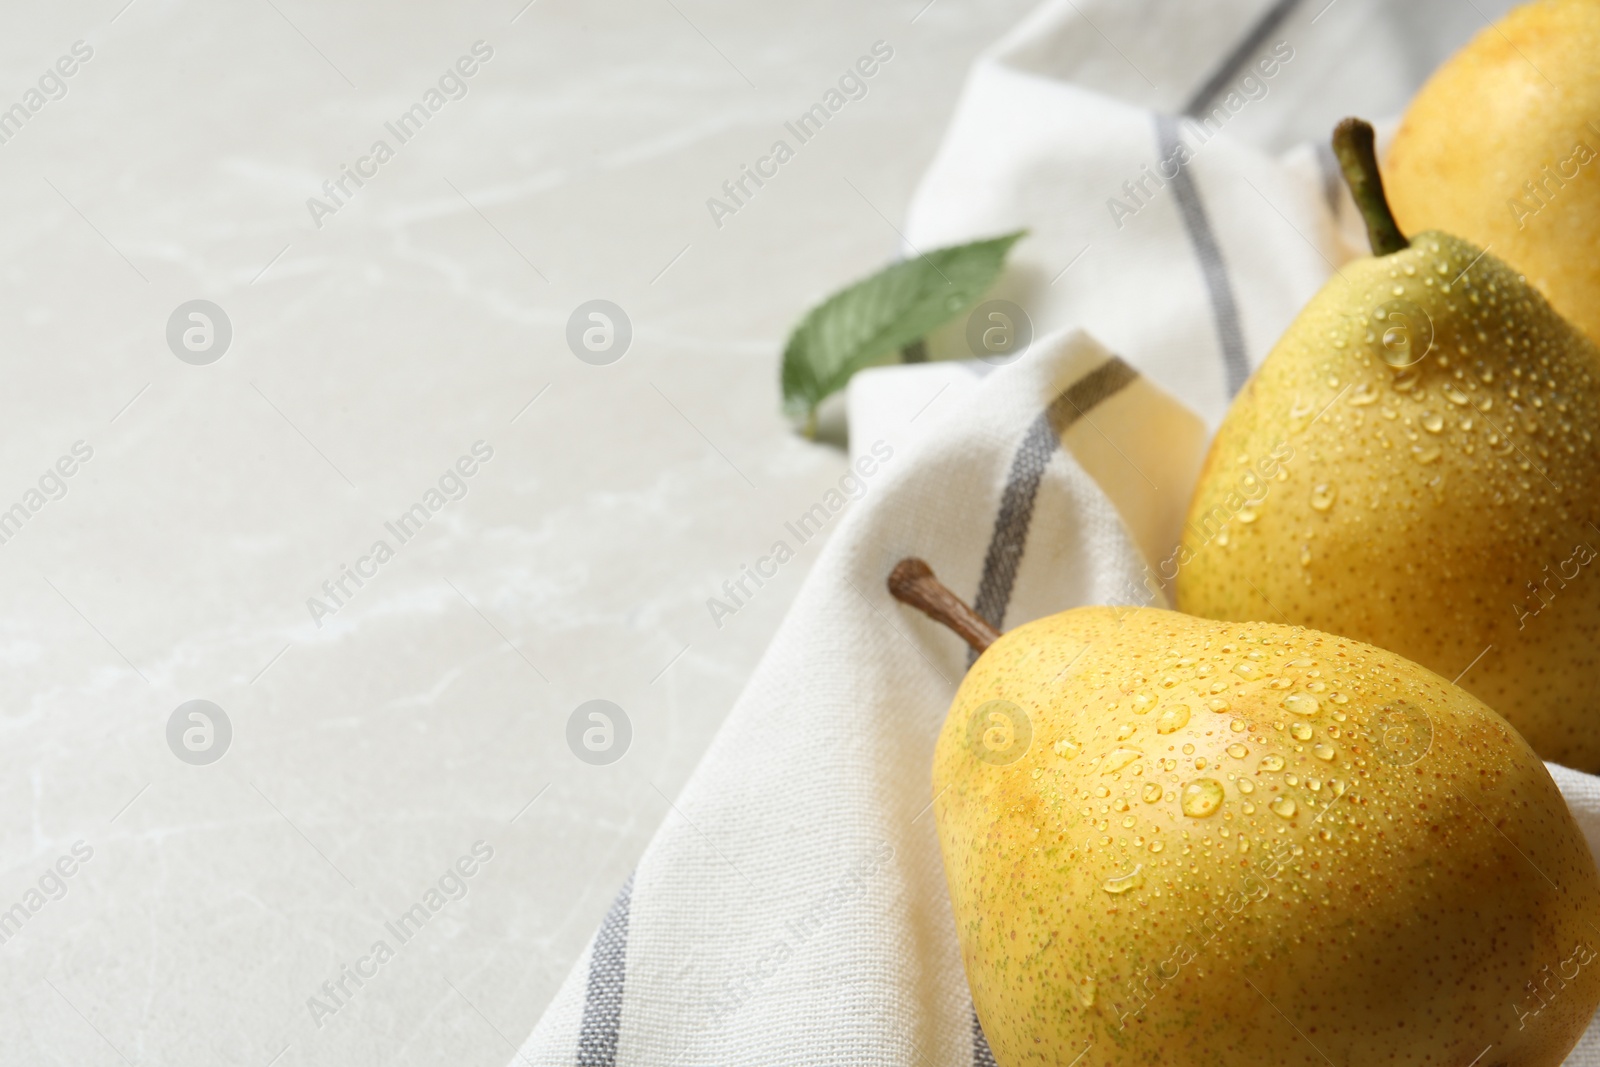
x=981, y=1056
x=1228, y=69
x=1224, y=308
x=602, y=1004
x=1039, y=444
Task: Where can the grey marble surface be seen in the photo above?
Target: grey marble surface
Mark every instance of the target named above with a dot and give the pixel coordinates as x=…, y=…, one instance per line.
x=374, y=341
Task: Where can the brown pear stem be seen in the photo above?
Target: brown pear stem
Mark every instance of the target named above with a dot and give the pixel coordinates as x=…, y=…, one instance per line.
x=1352, y=144
x=912, y=582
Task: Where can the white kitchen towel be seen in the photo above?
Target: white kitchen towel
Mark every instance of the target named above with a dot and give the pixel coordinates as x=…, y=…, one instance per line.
x=792, y=907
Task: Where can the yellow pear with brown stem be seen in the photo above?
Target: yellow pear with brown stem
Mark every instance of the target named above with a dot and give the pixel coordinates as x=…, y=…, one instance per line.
x=1177, y=842
x=1414, y=465
x=1502, y=147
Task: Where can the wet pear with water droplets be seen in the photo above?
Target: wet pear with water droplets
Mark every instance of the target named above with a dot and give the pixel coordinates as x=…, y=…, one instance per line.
x=1418, y=460
x=1349, y=840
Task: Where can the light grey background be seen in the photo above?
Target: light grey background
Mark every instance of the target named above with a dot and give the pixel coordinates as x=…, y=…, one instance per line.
x=367, y=356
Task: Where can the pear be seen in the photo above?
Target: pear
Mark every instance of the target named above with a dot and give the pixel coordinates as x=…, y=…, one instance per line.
x=1414, y=466
x=1177, y=842
x=1502, y=147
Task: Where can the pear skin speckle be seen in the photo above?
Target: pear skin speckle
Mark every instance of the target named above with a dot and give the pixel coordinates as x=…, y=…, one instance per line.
x=1387, y=881
x=1447, y=509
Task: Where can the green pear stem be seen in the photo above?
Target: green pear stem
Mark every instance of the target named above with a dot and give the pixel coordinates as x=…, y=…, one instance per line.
x=1352, y=144
x=912, y=582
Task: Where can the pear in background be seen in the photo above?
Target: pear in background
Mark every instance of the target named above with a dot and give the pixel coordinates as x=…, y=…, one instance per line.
x=1433, y=482
x=1171, y=841
x=1502, y=147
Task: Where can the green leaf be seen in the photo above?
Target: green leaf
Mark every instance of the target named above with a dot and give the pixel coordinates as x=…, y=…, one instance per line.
x=872, y=320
